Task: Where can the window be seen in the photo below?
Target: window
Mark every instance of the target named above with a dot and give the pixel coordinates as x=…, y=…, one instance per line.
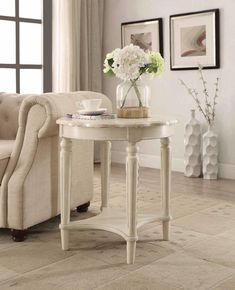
x=26, y=46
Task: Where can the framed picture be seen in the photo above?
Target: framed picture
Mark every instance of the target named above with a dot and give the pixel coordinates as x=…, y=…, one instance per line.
x=147, y=34
x=194, y=40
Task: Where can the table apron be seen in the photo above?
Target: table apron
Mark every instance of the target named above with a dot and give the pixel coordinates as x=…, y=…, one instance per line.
x=134, y=134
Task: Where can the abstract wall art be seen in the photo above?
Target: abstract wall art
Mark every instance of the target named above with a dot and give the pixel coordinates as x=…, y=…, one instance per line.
x=147, y=34
x=194, y=40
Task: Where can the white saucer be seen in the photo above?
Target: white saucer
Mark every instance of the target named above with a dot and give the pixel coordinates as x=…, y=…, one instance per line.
x=100, y=111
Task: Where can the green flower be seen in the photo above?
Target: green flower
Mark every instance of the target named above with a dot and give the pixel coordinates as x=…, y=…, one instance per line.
x=108, y=69
x=156, y=63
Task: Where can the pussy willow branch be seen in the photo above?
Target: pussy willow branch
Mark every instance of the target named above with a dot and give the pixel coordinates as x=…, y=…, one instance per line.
x=208, y=107
x=194, y=94
x=210, y=104
x=215, y=97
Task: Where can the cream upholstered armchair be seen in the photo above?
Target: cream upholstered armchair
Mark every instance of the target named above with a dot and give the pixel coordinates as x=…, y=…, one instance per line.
x=29, y=147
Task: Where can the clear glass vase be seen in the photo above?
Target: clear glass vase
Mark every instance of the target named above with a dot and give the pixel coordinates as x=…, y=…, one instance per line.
x=133, y=99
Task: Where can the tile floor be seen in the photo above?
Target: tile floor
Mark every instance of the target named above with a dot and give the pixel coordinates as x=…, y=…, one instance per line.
x=200, y=254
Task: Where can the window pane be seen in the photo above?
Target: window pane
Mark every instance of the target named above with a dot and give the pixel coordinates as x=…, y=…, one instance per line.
x=30, y=43
x=31, y=9
x=31, y=81
x=7, y=80
x=7, y=46
x=7, y=7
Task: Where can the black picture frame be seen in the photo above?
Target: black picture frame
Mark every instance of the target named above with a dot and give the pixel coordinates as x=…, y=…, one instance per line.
x=201, y=24
x=152, y=28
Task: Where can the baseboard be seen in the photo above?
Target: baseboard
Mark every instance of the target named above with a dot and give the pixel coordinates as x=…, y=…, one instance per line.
x=146, y=160
x=153, y=161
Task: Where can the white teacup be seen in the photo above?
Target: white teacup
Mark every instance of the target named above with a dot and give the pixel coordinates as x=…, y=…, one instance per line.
x=90, y=105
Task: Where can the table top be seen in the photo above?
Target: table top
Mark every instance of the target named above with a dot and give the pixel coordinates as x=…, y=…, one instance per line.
x=118, y=122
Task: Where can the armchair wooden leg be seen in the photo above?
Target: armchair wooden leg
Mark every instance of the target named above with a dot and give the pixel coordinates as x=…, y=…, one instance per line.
x=83, y=207
x=18, y=235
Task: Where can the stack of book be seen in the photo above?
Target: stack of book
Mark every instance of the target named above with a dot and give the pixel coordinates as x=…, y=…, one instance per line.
x=91, y=117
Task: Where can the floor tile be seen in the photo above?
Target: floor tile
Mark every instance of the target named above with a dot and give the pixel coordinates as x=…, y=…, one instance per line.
x=187, y=204
x=205, y=223
x=77, y=272
x=115, y=254
x=6, y=274
x=32, y=255
x=25, y=283
x=224, y=209
x=215, y=249
x=228, y=284
x=179, y=237
x=230, y=234
x=189, y=273
x=142, y=279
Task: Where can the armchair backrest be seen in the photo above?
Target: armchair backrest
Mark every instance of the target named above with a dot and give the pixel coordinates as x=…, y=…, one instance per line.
x=9, y=112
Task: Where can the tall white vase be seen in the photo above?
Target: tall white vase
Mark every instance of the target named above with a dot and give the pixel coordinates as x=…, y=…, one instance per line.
x=210, y=154
x=192, y=147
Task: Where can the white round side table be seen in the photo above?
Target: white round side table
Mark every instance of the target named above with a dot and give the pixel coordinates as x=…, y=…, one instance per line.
x=132, y=131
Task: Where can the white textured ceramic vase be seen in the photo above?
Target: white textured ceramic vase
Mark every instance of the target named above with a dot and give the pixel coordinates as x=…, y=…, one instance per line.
x=192, y=147
x=210, y=154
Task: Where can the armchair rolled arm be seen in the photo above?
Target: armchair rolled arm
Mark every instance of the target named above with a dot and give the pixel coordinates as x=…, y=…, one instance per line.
x=56, y=105
x=37, y=119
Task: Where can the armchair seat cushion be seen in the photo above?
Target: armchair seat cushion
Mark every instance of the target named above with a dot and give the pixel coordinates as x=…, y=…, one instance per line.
x=6, y=147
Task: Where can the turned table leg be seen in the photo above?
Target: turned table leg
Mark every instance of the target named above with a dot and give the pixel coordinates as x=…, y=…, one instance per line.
x=105, y=158
x=132, y=183
x=65, y=188
x=166, y=185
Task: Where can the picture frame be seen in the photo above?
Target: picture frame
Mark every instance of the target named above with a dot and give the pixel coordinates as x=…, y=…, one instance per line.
x=194, y=40
x=147, y=34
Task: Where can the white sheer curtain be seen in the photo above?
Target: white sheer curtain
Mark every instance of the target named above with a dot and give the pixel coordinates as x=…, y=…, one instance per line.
x=77, y=45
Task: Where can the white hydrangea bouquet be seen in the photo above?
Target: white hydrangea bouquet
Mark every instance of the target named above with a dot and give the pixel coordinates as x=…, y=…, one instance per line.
x=129, y=64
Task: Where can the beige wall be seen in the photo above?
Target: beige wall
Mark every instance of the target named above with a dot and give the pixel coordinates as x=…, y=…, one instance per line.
x=168, y=96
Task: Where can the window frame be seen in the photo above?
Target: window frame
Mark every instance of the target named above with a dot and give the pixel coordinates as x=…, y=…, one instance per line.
x=46, y=65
